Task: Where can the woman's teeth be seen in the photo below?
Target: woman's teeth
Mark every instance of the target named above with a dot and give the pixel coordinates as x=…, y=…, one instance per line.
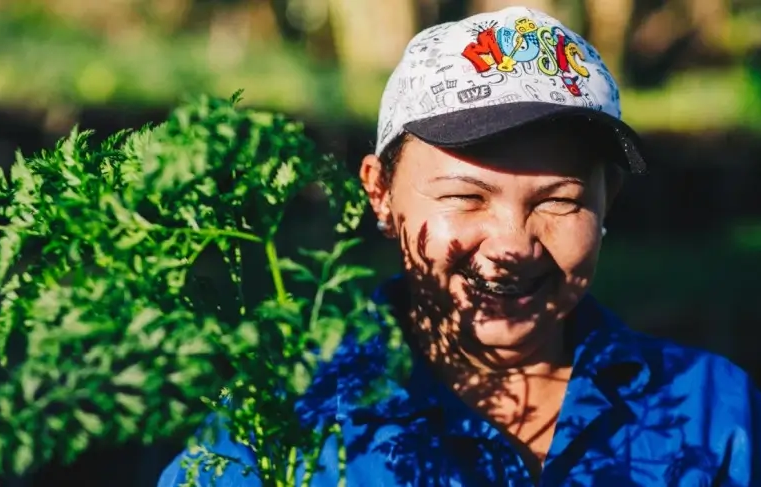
x=497, y=287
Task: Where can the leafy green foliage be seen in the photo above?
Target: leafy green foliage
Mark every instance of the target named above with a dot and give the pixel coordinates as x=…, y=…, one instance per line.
x=258, y=405
x=105, y=331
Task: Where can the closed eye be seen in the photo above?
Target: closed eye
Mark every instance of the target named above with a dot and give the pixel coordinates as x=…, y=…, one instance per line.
x=564, y=200
x=561, y=205
x=462, y=197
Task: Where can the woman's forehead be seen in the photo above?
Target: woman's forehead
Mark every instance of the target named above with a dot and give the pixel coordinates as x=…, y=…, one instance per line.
x=560, y=152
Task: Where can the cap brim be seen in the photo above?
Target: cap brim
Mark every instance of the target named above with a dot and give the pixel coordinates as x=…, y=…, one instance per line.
x=463, y=128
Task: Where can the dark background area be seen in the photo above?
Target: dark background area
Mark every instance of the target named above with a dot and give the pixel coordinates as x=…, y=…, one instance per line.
x=682, y=258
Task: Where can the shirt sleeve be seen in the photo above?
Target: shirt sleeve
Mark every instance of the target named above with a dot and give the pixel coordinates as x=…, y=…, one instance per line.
x=743, y=454
x=176, y=475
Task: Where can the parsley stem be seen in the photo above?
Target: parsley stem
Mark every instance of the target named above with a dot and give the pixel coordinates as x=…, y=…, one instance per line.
x=203, y=232
x=277, y=276
x=209, y=232
x=341, y=455
x=290, y=475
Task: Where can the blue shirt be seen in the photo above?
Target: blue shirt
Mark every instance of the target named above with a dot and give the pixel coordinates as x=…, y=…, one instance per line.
x=638, y=411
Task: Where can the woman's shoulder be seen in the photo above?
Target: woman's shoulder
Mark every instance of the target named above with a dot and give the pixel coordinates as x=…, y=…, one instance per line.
x=713, y=387
x=672, y=365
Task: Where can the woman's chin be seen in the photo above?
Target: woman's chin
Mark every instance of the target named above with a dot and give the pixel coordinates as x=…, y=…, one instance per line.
x=504, y=333
x=505, y=344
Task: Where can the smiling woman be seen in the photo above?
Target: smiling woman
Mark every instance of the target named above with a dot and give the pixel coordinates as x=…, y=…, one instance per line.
x=524, y=212
x=507, y=233
x=497, y=202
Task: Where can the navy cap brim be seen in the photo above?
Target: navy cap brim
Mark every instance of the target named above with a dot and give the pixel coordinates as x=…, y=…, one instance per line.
x=467, y=127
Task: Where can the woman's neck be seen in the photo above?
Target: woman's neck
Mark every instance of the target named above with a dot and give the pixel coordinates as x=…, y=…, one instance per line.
x=464, y=365
x=523, y=403
x=521, y=398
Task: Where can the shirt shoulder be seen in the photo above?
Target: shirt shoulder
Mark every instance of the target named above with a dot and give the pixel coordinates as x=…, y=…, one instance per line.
x=673, y=365
x=693, y=369
x=681, y=413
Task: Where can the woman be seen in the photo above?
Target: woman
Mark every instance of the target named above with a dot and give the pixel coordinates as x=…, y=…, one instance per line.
x=500, y=150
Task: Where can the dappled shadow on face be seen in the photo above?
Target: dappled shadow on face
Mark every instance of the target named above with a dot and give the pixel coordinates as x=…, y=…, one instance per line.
x=441, y=327
x=613, y=417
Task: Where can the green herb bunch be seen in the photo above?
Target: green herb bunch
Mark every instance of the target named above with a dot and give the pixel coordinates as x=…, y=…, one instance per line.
x=107, y=335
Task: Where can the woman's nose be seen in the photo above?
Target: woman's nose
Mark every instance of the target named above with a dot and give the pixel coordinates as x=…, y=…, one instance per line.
x=510, y=240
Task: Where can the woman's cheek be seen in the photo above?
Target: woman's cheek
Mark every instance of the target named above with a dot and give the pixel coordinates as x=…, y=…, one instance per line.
x=451, y=237
x=572, y=240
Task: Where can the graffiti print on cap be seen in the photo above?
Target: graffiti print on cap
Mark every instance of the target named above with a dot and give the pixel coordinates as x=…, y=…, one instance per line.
x=549, y=47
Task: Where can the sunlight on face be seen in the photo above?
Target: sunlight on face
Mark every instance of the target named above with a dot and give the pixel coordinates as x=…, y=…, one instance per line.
x=501, y=240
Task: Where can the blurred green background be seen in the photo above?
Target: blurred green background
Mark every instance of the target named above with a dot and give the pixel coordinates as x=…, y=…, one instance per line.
x=683, y=255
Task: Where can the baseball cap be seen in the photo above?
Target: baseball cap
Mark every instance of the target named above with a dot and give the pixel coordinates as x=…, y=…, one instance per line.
x=460, y=83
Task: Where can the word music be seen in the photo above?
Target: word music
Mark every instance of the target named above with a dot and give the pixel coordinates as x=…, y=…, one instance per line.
x=504, y=48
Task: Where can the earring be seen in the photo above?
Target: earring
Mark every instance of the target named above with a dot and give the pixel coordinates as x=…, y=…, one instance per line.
x=604, y=231
x=382, y=226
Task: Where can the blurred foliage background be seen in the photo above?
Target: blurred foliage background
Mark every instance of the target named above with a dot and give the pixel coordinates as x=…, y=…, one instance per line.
x=683, y=255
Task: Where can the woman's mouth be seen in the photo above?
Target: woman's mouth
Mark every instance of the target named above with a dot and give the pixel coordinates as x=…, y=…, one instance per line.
x=513, y=289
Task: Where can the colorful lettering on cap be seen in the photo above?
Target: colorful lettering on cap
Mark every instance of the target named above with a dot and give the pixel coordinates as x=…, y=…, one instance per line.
x=513, y=55
x=548, y=47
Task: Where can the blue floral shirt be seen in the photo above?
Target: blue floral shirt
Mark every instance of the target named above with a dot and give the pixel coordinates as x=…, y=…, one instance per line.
x=638, y=411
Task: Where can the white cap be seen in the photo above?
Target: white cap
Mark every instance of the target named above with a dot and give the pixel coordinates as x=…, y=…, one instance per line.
x=461, y=82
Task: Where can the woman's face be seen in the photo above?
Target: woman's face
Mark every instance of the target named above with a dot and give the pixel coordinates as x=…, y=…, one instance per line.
x=501, y=241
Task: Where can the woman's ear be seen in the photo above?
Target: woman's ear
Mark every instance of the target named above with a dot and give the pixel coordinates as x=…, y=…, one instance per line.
x=376, y=186
x=373, y=180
